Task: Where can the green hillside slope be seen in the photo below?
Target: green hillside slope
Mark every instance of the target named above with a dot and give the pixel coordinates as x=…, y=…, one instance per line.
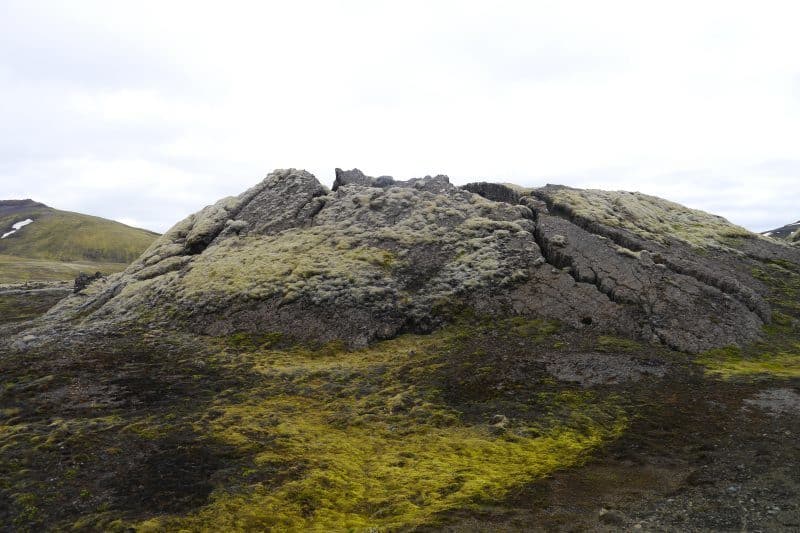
x=58, y=244
x=65, y=236
x=14, y=269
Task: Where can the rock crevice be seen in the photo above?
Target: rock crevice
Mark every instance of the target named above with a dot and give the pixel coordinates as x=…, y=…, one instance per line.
x=659, y=254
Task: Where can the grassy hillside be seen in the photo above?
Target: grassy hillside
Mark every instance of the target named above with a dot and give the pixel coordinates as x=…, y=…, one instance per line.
x=57, y=245
x=18, y=306
x=15, y=269
x=68, y=237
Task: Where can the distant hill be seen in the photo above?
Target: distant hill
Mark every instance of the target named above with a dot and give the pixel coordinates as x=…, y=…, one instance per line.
x=789, y=232
x=38, y=242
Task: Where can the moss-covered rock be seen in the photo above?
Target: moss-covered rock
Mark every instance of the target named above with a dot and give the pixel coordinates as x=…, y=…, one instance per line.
x=649, y=217
x=377, y=257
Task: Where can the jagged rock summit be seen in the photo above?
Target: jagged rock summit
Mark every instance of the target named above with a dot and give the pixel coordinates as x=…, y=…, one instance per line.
x=375, y=257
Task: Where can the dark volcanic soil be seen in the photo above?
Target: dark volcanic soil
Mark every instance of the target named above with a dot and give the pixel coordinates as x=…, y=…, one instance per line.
x=113, y=436
x=696, y=459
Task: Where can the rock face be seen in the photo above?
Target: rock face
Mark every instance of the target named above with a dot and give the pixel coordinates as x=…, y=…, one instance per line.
x=494, y=191
x=376, y=257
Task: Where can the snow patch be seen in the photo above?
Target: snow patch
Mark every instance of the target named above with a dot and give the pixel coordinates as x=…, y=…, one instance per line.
x=17, y=226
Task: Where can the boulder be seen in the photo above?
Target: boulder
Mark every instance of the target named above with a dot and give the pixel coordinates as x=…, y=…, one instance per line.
x=352, y=177
x=83, y=280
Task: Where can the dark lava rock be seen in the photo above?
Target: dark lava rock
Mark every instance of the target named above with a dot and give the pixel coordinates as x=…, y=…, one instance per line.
x=378, y=256
x=351, y=177
x=83, y=280
x=494, y=191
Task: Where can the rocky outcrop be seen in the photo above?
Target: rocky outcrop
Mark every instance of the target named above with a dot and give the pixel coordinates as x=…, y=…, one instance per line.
x=494, y=191
x=83, y=280
x=667, y=305
x=435, y=184
x=375, y=257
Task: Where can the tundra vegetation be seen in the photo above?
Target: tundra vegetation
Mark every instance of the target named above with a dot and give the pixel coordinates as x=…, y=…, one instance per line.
x=409, y=356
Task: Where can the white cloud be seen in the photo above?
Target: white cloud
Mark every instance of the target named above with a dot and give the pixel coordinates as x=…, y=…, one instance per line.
x=117, y=106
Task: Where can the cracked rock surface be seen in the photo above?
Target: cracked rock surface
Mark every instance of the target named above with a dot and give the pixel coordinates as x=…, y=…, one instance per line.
x=376, y=257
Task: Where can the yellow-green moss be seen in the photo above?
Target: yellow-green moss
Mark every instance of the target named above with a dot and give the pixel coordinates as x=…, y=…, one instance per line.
x=778, y=353
x=305, y=261
x=732, y=362
x=649, y=217
x=537, y=329
x=369, y=476
x=377, y=444
x=610, y=343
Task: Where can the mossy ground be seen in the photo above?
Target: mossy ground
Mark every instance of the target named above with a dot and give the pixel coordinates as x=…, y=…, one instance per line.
x=379, y=442
x=15, y=269
x=462, y=429
x=777, y=355
x=21, y=307
x=238, y=433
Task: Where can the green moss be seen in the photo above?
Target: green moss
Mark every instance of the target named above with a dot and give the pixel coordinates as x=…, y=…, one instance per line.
x=251, y=341
x=732, y=362
x=25, y=306
x=650, y=217
x=537, y=329
x=250, y=433
x=378, y=445
x=28, y=510
x=371, y=476
x=777, y=355
x=610, y=343
x=783, y=279
x=303, y=262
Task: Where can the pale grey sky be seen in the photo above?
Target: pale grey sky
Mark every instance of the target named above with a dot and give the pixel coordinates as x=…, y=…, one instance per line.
x=146, y=111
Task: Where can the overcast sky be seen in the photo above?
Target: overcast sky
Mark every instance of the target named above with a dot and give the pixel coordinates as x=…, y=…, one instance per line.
x=146, y=111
